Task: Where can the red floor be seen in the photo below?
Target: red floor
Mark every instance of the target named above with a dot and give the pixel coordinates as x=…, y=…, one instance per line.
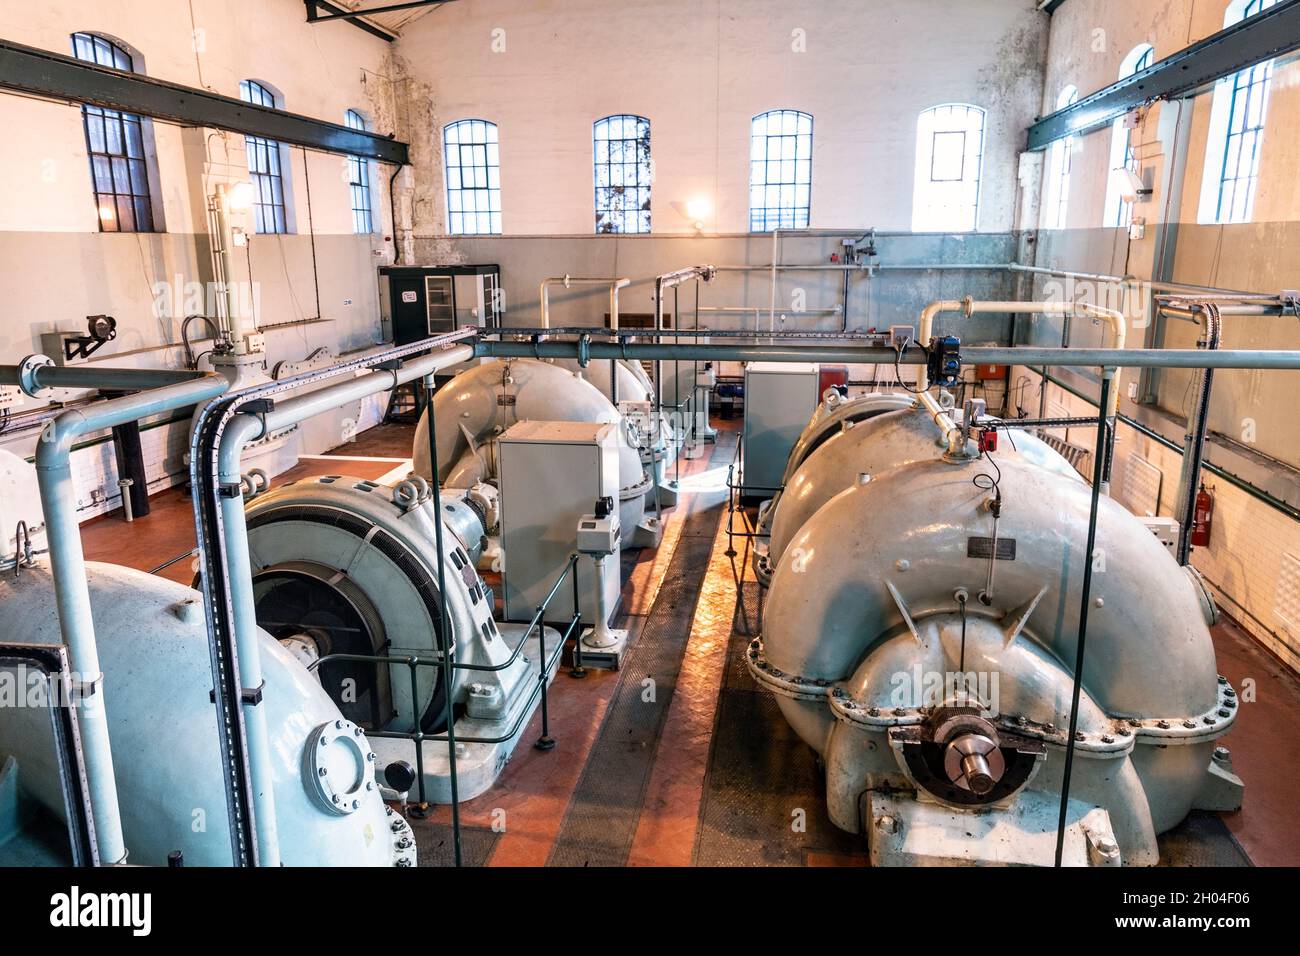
x=535, y=789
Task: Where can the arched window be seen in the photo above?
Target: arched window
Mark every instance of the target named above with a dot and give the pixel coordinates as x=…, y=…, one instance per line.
x=622, y=156
x=471, y=153
x=780, y=170
x=1060, y=156
x=359, y=180
x=115, y=141
x=265, y=167
x=1118, y=212
x=1236, y=135
x=949, y=154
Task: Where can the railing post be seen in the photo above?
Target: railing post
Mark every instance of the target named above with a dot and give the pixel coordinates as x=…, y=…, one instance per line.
x=578, y=670
x=545, y=741
x=1085, y=598
x=444, y=632
x=731, y=509
x=413, y=664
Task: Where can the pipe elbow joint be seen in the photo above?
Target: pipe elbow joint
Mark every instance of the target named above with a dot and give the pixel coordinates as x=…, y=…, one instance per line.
x=54, y=447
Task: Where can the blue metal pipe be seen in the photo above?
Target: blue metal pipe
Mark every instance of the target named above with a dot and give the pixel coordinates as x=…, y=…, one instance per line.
x=976, y=355
x=68, y=568
x=239, y=432
x=242, y=429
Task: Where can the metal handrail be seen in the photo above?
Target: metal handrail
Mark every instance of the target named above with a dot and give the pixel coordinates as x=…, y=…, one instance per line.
x=547, y=665
x=416, y=662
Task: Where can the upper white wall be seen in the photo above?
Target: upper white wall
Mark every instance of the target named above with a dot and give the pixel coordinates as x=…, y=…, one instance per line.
x=1090, y=38
x=545, y=70
x=322, y=71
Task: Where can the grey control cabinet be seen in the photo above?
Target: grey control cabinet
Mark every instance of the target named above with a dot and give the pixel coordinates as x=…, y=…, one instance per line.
x=780, y=397
x=551, y=474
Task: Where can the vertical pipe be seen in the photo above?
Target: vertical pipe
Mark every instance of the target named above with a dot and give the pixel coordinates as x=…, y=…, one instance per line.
x=68, y=563
x=771, y=310
x=72, y=598
x=448, y=641
x=677, y=398
x=221, y=261
x=1085, y=599
x=1194, y=450
x=239, y=568
x=844, y=303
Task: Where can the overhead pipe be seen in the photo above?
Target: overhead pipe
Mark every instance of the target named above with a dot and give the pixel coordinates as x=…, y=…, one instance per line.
x=165, y=391
x=1112, y=317
x=1192, y=315
x=1154, y=286
x=567, y=280
x=970, y=306
x=803, y=267
x=37, y=373
x=614, y=285
x=980, y=355
x=756, y=311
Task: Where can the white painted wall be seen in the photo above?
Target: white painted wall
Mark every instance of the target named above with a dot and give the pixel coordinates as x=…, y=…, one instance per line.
x=1088, y=41
x=1252, y=428
x=56, y=267
x=545, y=70
x=321, y=70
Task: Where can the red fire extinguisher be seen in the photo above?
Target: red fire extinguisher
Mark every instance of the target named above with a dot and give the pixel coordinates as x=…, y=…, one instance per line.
x=1204, y=515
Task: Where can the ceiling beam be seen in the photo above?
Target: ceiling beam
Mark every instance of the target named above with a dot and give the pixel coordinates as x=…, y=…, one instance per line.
x=313, y=16
x=340, y=13
x=1268, y=34
x=55, y=76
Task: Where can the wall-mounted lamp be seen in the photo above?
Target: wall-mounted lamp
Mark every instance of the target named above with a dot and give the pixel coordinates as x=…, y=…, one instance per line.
x=1127, y=183
x=239, y=196
x=695, y=211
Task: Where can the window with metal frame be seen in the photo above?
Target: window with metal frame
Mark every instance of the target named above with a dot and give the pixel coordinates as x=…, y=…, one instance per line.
x=621, y=146
x=1243, y=135
x=471, y=153
x=949, y=158
x=359, y=181
x=115, y=142
x=264, y=168
x=1119, y=213
x=1060, y=158
x=780, y=170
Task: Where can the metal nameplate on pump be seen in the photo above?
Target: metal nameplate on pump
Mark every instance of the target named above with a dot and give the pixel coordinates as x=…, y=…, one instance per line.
x=977, y=547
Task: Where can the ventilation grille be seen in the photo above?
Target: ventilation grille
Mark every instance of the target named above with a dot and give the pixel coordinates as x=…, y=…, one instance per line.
x=1076, y=455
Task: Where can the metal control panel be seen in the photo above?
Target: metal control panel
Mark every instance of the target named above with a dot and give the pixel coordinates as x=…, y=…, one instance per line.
x=551, y=474
x=780, y=397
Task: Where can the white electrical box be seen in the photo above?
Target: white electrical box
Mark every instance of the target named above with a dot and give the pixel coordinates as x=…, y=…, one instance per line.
x=780, y=398
x=1165, y=530
x=598, y=535
x=551, y=476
